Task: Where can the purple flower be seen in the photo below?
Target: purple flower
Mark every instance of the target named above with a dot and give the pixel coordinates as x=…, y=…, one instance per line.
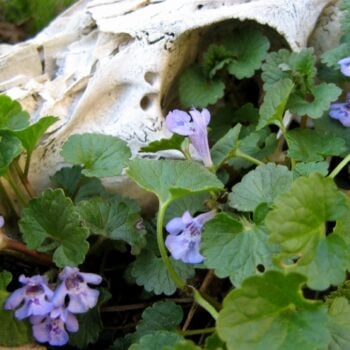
x=193, y=125
x=345, y=66
x=185, y=236
x=52, y=328
x=341, y=111
x=74, y=285
x=34, y=297
x=2, y=221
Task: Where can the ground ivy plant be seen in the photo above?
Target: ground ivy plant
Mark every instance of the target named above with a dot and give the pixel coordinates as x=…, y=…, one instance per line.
x=248, y=245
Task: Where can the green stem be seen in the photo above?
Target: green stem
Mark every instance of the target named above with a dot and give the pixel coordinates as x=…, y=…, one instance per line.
x=16, y=189
x=339, y=167
x=205, y=304
x=190, y=332
x=23, y=178
x=5, y=199
x=180, y=283
x=245, y=156
x=26, y=166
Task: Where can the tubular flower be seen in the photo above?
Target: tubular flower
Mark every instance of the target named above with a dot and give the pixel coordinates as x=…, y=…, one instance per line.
x=34, y=297
x=341, y=111
x=74, y=285
x=52, y=328
x=345, y=66
x=194, y=125
x=184, y=236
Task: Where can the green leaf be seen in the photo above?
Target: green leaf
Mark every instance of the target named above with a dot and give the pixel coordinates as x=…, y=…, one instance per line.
x=305, y=169
x=114, y=218
x=161, y=316
x=77, y=186
x=261, y=185
x=270, y=312
x=213, y=342
x=275, y=102
x=297, y=66
x=100, y=155
x=226, y=146
x=175, y=142
x=248, y=46
x=331, y=57
x=258, y=144
x=12, y=332
x=195, y=90
x=322, y=96
x=308, y=145
x=298, y=224
x=90, y=324
x=215, y=59
x=157, y=340
x=339, y=324
x=51, y=220
x=183, y=345
x=31, y=135
x=10, y=149
x=171, y=179
x=192, y=203
x=12, y=117
x=150, y=272
x=235, y=250
x=332, y=127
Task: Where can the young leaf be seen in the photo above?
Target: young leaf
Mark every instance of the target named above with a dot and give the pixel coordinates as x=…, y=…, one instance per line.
x=12, y=117
x=308, y=145
x=115, y=218
x=51, y=219
x=322, y=96
x=258, y=144
x=12, y=332
x=261, y=185
x=235, y=250
x=31, y=135
x=214, y=59
x=157, y=340
x=298, y=224
x=174, y=142
x=195, y=90
x=77, y=186
x=100, y=155
x=248, y=48
x=305, y=169
x=171, y=179
x=10, y=149
x=151, y=273
x=275, y=102
x=270, y=312
x=226, y=146
x=161, y=316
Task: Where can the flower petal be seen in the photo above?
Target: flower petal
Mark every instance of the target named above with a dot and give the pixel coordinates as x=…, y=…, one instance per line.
x=72, y=324
x=15, y=299
x=345, y=66
x=59, y=295
x=179, y=122
x=177, y=245
x=92, y=278
x=41, y=332
x=175, y=226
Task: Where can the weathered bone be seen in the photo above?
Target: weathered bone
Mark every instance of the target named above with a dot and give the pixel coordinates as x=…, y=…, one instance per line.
x=108, y=66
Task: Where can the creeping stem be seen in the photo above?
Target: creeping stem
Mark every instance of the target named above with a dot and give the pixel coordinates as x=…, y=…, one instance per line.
x=180, y=283
x=339, y=167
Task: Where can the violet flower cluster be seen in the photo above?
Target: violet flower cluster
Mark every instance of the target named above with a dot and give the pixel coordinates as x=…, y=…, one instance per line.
x=184, y=237
x=52, y=312
x=341, y=111
x=194, y=125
